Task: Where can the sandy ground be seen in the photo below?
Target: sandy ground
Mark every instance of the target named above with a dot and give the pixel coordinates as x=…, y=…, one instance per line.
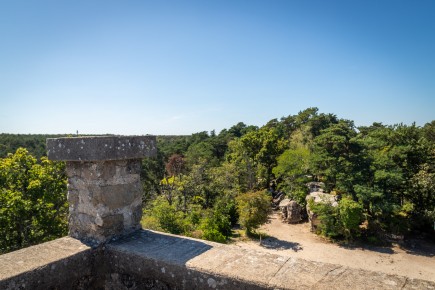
x=415, y=261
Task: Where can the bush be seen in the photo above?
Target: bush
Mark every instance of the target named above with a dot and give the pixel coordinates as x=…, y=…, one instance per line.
x=167, y=216
x=212, y=224
x=253, y=209
x=217, y=225
x=150, y=222
x=328, y=216
x=339, y=221
x=299, y=195
x=213, y=235
x=213, y=227
x=350, y=215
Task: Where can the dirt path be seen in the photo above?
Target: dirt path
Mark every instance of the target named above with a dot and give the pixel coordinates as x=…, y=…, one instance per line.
x=298, y=241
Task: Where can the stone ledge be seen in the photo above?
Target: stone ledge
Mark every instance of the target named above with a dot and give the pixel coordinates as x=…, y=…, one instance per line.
x=101, y=148
x=65, y=263
x=153, y=260
x=185, y=263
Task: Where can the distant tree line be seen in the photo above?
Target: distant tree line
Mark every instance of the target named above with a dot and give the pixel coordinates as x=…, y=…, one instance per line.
x=204, y=184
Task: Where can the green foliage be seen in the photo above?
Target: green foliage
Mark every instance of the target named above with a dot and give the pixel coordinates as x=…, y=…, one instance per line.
x=212, y=234
x=386, y=172
x=212, y=224
x=255, y=155
x=217, y=224
x=152, y=172
x=337, y=156
x=165, y=216
x=293, y=163
x=421, y=204
x=253, y=208
x=244, y=164
x=350, y=216
x=33, y=205
x=201, y=151
x=343, y=220
x=292, y=167
x=328, y=216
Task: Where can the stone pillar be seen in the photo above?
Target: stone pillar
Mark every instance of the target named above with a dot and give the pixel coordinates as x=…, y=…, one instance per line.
x=104, y=188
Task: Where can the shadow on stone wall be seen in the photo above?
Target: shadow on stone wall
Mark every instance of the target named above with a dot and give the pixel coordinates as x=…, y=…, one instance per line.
x=154, y=245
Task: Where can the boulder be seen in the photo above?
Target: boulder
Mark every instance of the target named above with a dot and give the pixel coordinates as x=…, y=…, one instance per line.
x=291, y=211
x=319, y=197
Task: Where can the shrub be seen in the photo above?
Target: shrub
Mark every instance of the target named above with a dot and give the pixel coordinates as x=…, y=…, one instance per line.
x=217, y=225
x=253, y=209
x=167, y=216
x=213, y=235
x=339, y=221
x=150, y=222
x=328, y=216
x=350, y=215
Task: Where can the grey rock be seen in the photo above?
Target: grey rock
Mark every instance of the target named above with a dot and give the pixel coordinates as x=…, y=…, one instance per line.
x=100, y=148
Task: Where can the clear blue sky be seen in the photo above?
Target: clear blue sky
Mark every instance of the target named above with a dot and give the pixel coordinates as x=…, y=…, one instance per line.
x=180, y=67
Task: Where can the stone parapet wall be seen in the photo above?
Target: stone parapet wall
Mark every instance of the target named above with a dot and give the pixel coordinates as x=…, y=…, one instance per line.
x=167, y=261
x=153, y=260
x=65, y=263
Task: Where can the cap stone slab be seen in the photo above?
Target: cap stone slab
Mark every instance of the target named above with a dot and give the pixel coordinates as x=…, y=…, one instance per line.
x=101, y=148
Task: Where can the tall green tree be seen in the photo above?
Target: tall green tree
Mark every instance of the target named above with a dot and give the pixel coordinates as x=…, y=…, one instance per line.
x=337, y=156
x=33, y=205
x=292, y=168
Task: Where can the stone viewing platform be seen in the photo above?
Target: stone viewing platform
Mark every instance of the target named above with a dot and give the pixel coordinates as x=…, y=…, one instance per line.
x=152, y=260
x=107, y=249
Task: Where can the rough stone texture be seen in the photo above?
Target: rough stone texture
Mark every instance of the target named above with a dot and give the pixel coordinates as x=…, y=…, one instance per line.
x=105, y=199
x=291, y=211
x=166, y=261
x=104, y=188
x=101, y=148
x=64, y=263
x=152, y=260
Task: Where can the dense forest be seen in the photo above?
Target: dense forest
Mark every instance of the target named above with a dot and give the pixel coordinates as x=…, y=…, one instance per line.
x=205, y=184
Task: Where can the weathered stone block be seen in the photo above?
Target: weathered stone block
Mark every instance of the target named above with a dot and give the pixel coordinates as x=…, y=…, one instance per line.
x=112, y=224
x=136, y=214
x=118, y=196
x=105, y=198
x=101, y=148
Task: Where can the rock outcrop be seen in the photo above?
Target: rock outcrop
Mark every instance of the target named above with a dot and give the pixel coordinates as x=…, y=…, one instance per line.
x=291, y=211
x=319, y=197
